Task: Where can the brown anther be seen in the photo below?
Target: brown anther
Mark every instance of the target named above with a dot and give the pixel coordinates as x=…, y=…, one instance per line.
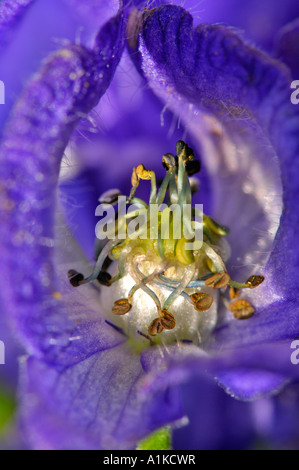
x=121, y=307
x=234, y=292
x=241, y=309
x=254, y=281
x=155, y=327
x=167, y=320
x=75, y=278
x=202, y=302
x=218, y=280
x=134, y=178
x=104, y=278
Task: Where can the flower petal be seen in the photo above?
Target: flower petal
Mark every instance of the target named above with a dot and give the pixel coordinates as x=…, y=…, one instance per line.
x=234, y=369
x=96, y=400
x=216, y=421
x=10, y=14
x=70, y=84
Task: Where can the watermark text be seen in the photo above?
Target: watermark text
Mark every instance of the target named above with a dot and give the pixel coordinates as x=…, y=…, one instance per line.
x=2, y=93
x=295, y=353
x=2, y=353
x=295, y=94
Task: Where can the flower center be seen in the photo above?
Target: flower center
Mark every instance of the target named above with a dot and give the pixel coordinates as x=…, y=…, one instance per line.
x=169, y=256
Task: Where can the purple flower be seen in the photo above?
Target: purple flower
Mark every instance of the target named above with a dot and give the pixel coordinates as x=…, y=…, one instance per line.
x=83, y=384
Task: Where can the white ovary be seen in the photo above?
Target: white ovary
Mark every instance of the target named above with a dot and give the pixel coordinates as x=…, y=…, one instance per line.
x=190, y=324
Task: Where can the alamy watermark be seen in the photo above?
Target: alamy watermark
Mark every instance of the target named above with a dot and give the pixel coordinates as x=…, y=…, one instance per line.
x=2, y=93
x=295, y=94
x=2, y=353
x=295, y=353
x=158, y=221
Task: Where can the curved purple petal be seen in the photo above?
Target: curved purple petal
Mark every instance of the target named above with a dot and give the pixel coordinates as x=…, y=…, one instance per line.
x=256, y=20
x=10, y=14
x=97, y=401
x=50, y=24
x=286, y=47
x=216, y=421
x=70, y=84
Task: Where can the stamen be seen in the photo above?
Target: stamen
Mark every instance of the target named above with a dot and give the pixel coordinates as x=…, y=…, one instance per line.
x=170, y=266
x=145, y=336
x=167, y=320
x=202, y=302
x=251, y=283
x=189, y=274
x=132, y=262
x=121, y=307
x=155, y=327
x=234, y=293
x=101, y=259
x=241, y=309
x=218, y=280
x=104, y=278
x=254, y=281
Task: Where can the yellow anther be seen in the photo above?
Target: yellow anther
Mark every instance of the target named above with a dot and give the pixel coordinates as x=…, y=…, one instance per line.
x=140, y=173
x=121, y=307
x=234, y=292
x=155, y=327
x=254, y=281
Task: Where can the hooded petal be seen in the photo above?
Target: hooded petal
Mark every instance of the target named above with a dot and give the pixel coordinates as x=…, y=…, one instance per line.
x=10, y=14
x=70, y=83
x=94, y=404
x=256, y=20
x=50, y=24
x=286, y=46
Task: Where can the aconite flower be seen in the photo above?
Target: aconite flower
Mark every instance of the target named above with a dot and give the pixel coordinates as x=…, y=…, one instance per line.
x=109, y=346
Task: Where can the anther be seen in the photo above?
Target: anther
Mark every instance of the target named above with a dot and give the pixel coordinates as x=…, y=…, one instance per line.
x=75, y=278
x=121, y=307
x=140, y=173
x=218, y=280
x=241, y=309
x=254, y=281
x=167, y=320
x=155, y=327
x=104, y=278
x=202, y=302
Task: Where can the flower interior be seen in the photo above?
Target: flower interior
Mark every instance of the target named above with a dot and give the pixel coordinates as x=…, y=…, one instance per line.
x=164, y=261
